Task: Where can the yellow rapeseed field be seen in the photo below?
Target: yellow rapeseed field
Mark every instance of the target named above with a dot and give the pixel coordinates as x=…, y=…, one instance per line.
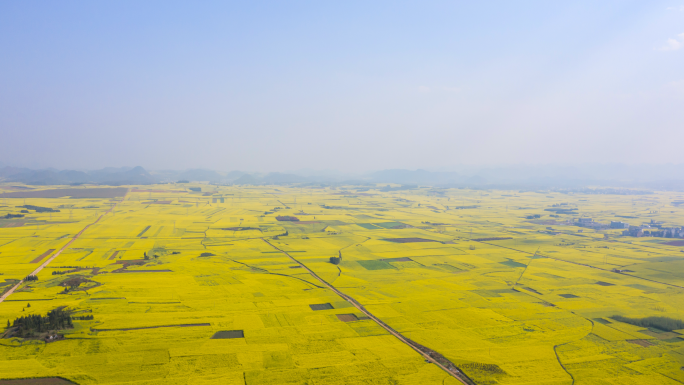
x=184, y=288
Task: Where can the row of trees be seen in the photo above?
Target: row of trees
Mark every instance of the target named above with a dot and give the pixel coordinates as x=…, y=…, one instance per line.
x=57, y=272
x=31, y=278
x=663, y=323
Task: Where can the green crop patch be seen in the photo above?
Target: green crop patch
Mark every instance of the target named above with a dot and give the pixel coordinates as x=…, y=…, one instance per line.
x=447, y=267
x=390, y=225
x=368, y=226
x=375, y=265
x=512, y=263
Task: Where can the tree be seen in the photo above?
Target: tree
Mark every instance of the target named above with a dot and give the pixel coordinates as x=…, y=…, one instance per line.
x=8, y=324
x=28, y=305
x=335, y=260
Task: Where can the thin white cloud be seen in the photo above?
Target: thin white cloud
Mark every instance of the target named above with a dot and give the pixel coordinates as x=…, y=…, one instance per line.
x=679, y=8
x=674, y=44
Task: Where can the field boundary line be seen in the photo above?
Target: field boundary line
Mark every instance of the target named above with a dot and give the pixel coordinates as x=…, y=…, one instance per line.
x=55, y=255
x=455, y=372
x=586, y=265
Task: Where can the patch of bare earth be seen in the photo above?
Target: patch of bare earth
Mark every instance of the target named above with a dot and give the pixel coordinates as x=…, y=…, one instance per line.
x=40, y=257
x=643, y=343
x=347, y=317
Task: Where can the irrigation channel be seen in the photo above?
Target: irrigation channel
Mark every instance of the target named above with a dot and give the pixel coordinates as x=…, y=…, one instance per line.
x=55, y=255
x=427, y=353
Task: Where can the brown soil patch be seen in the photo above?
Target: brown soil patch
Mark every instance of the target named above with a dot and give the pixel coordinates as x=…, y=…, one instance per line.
x=408, y=240
x=491, y=239
x=15, y=224
x=111, y=192
x=347, y=317
x=152, y=327
x=40, y=257
x=37, y=381
x=321, y=306
x=114, y=255
x=295, y=267
x=643, y=343
x=674, y=243
x=605, y=283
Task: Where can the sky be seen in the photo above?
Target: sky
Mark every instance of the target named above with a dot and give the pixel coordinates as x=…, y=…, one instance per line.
x=353, y=86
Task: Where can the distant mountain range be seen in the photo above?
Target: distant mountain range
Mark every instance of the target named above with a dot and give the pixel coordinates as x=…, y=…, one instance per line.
x=662, y=177
x=106, y=176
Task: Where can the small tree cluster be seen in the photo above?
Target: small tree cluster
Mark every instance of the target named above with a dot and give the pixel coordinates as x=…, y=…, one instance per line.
x=335, y=260
x=84, y=317
x=31, y=278
x=54, y=320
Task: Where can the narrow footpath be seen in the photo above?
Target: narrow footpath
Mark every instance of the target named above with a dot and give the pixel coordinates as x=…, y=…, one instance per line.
x=55, y=255
x=429, y=356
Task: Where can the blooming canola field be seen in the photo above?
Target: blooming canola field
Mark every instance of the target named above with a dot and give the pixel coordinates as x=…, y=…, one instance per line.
x=203, y=284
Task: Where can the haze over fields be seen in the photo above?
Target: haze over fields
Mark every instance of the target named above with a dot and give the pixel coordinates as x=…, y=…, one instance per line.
x=351, y=86
x=329, y=193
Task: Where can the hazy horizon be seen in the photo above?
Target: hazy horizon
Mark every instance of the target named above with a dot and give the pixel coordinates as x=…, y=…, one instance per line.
x=354, y=87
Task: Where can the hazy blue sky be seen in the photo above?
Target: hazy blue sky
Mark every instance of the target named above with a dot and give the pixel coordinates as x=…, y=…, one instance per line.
x=283, y=85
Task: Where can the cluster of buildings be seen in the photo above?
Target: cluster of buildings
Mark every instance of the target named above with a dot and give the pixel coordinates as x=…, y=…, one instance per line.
x=654, y=229
x=651, y=229
x=589, y=223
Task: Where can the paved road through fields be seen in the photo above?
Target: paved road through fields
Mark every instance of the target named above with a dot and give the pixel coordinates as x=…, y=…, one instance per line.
x=457, y=374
